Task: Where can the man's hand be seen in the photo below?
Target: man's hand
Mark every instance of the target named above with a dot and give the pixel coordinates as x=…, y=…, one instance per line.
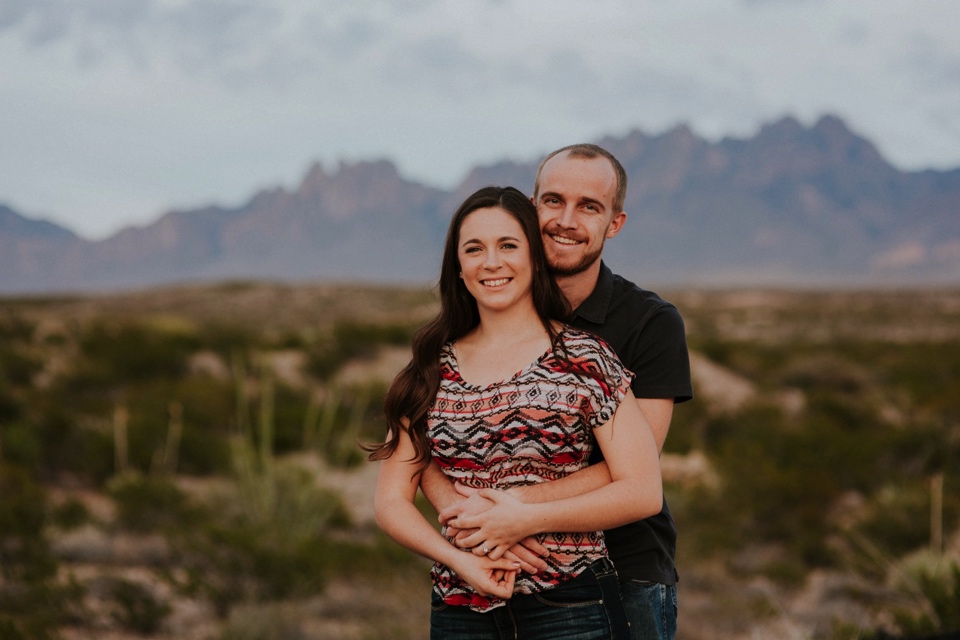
x=527, y=551
x=496, y=518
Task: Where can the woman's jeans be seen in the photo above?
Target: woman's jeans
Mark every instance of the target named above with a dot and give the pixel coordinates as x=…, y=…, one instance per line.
x=651, y=608
x=585, y=608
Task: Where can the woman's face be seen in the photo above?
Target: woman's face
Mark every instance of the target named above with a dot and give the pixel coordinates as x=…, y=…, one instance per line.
x=494, y=257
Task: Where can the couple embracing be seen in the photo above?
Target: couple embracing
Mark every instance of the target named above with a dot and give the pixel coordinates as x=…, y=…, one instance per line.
x=532, y=415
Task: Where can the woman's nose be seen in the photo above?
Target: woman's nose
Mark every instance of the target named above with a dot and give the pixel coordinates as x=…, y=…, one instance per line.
x=493, y=260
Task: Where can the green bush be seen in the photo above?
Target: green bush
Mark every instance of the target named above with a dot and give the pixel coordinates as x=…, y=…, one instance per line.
x=147, y=504
x=66, y=446
x=70, y=514
x=128, y=351
x=20, y=444
x=136, y=607
x=351, y=340
x=32, y=603
x=227, y=338
x=10, y=408
x=14, y=328
x=938, y=609
x=17, y=367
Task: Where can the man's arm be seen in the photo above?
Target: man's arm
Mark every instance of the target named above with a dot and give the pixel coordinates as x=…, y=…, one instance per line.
x=657, y=411
x=634, y=492
x=438, y=488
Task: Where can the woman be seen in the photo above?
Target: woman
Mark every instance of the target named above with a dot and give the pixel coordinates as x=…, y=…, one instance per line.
x=501, y=394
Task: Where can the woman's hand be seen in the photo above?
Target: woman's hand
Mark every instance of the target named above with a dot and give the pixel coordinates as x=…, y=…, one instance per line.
x=488, y=577
x=528, y=552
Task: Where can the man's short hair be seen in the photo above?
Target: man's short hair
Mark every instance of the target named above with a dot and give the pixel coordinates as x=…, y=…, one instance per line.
x=590, y=151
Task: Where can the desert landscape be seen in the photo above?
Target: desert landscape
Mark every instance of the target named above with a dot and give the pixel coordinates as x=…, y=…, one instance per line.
x=183, y=462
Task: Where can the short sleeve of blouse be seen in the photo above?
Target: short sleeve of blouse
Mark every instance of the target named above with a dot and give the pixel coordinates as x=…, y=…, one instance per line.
x=604, y=378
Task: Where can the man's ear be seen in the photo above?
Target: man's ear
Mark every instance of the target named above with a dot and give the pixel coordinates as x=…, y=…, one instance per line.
x=616, y=224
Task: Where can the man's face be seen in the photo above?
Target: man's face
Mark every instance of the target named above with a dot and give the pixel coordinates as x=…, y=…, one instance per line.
x=575, y=205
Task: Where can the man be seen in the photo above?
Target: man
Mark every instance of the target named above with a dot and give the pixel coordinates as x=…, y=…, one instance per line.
x=579, y=195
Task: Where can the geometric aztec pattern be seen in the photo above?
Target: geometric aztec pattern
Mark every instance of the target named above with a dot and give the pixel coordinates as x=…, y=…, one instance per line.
x=534, y=427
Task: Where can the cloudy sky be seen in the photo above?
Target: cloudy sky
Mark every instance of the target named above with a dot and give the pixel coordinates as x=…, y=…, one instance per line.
x=114, y=111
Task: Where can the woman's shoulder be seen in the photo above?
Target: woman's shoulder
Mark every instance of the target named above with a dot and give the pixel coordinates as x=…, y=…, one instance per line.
x=583, y=342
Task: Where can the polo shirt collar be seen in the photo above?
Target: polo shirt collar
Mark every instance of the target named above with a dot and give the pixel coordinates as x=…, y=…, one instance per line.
x=594, y=308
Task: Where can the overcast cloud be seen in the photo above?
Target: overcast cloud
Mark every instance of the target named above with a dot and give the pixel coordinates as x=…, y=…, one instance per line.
x=114, y=111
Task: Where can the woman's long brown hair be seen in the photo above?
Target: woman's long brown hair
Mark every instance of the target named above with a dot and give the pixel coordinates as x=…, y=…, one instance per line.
x=413, y=391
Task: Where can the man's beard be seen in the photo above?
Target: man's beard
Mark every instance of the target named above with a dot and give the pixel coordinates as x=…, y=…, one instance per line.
x=579, y=266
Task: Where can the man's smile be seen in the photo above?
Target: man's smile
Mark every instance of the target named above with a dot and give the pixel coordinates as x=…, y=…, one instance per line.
x=565, y=240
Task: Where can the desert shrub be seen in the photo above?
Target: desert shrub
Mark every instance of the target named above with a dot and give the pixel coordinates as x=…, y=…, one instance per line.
x=355, y=558
x=897, y=518
x=18, y=367
x=128, y=351
x=936, y=606
x=20, y=444
x=227, y=338
x=70, y=514
x=777, y=478
x=206, y=417
x=32, y=603
x=289, y=409
x=825, y=372
x=269, y=544
x=751, y=359
x=137, y=608
x=928, y=373
x=10, y=407
x=147, y=503
x=66, y=445
x=274, y=621
x=290, y=340
x=24, y=553
x=352, y=340
x=688, y=427
x=15, y=328
x=348, y=416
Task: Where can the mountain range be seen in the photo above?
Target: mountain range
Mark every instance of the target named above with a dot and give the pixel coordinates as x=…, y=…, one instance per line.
x=793, y=205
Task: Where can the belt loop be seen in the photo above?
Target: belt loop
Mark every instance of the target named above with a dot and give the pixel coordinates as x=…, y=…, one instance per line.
x=609, y=584
x=603, y=566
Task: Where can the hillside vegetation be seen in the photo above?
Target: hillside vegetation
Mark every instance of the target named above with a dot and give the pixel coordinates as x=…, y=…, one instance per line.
x=183, y=463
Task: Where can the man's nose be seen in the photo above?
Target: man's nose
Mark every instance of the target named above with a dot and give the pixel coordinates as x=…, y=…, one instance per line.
x=567, y=218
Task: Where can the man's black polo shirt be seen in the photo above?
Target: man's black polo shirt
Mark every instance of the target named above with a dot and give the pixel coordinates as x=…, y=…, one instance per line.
x=647, y=334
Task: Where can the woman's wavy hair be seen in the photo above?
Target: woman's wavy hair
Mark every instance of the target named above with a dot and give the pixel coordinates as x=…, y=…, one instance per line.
x=413, y=391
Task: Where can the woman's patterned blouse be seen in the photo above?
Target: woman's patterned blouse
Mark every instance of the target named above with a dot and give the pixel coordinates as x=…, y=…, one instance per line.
x=532, y=428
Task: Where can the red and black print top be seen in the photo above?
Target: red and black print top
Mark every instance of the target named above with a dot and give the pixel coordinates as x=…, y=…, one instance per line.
x=532, y=428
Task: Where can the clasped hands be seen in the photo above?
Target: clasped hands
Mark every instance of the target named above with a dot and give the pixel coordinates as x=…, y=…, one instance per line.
x=491, y=522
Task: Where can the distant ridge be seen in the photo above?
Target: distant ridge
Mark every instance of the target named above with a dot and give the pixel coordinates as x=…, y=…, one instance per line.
x=790, y=206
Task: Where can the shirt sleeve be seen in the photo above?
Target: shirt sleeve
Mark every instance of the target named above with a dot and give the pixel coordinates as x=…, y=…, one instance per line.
x=606, y=380
x=656, y=352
